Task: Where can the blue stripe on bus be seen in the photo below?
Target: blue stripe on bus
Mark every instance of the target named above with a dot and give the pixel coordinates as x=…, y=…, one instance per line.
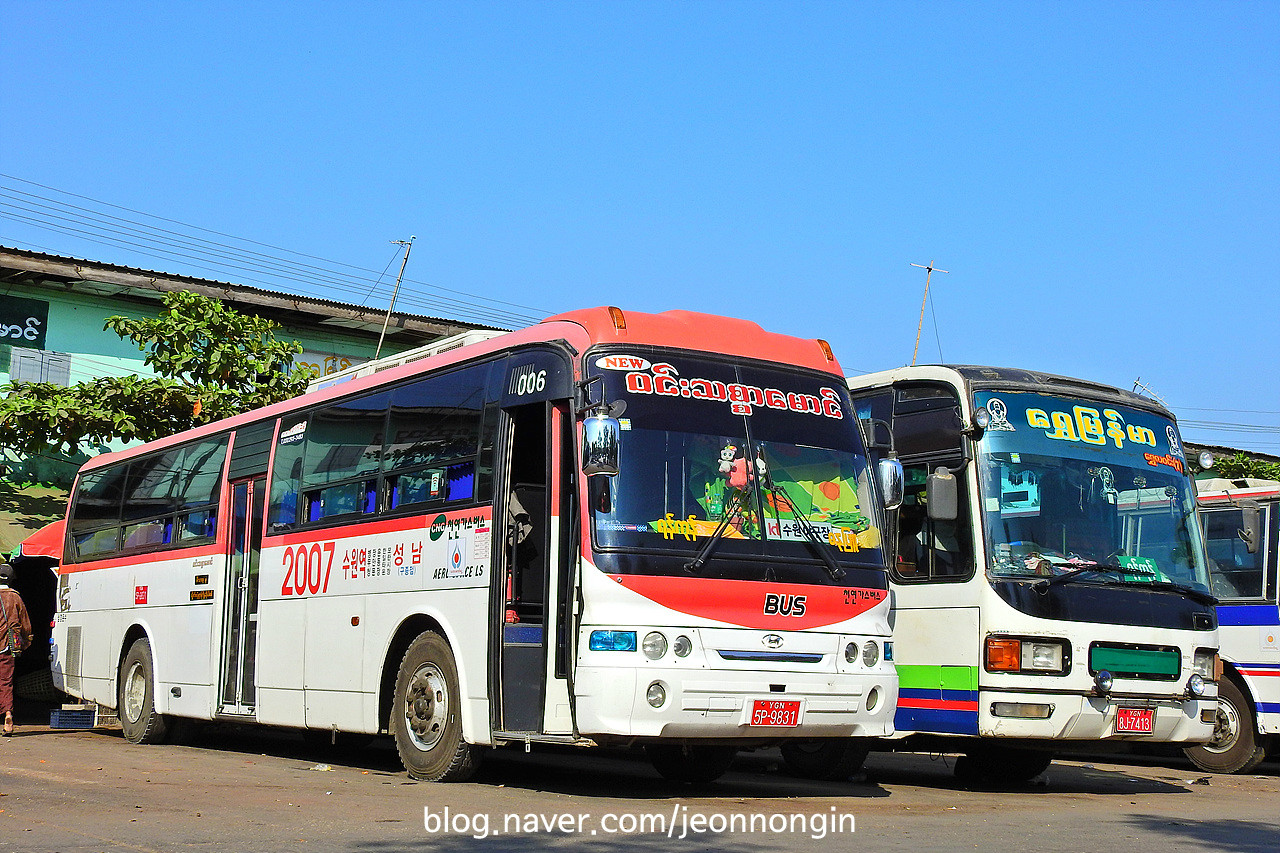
x=936, y=720
x=1248, y=614
x=1269, y=707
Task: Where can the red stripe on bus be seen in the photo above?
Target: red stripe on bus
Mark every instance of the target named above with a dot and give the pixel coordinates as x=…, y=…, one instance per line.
x=939, y=704
x=211, y=550
x=755, y=604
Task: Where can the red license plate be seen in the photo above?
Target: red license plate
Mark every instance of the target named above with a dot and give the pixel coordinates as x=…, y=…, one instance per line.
x=775, y=712
x=1135, y=721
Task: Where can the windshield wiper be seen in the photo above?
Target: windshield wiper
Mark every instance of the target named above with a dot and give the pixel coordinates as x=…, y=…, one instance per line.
x=820, y=545
x=1042, y=586
x=1189, y=591
x=704, y=553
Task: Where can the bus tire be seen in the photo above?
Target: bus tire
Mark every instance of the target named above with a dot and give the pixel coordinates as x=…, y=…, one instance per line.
x=1235, y=747
x=695, y=764
x=426, y=715
x=136, y=696
x=996, y=764
x=826, y=759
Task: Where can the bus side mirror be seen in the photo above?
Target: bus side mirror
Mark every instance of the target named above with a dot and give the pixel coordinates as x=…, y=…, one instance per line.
x=891, y=478
x=1251, y=531
x=942, y=495
x=601, y=436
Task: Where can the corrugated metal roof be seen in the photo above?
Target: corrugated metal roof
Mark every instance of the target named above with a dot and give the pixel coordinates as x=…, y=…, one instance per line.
x=85, y=269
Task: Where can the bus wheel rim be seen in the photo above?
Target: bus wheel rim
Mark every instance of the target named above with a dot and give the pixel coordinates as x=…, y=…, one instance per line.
x=1226, y=728
x=426, y=707
x=135, y=692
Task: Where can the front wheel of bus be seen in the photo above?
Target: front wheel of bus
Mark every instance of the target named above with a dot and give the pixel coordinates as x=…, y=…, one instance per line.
x=136, y=696
x=689, y=763
x=426, y=718
x=827, y=759
x=1234, y=747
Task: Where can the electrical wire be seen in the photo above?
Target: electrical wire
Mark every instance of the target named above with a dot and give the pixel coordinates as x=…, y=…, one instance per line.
x=103, y=228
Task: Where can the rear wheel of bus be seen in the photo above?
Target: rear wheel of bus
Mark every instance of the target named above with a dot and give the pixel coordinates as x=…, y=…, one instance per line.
x=996, y=764
x=1234, y=747
x=426, y=717
x=136, y=696
x=696, y=764
x=826, y=759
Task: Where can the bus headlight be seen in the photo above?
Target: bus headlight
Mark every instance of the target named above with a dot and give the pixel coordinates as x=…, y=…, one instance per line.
x=1206, y=664
x=655, y=645
x=613, y=641
x=1019, y=654
x=1042, y=657
x=1195, y=684
x=656, y=695
x=870, y=653
x=851, y=652
x=1102, y=682
x=682, y=646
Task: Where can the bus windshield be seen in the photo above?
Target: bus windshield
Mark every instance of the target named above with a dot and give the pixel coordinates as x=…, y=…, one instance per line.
x=766, y=463
x=1072, y=487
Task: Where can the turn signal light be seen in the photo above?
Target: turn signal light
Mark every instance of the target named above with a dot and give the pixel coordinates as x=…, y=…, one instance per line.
x=1003, y=655
x=619, y=320
x=826, y=349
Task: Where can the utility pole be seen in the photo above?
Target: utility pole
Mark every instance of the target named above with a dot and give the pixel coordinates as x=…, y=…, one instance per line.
x=408, y=245
x=928, y=273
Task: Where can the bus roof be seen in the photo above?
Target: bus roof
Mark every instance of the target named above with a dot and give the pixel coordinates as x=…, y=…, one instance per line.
x=975, y=377
x=1223, y=491
x=580, y=329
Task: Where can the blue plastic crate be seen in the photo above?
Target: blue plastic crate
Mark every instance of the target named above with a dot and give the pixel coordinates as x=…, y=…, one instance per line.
x=73, y=718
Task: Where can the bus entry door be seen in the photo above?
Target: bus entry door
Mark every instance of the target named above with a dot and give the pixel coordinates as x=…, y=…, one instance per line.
x=535, y=581
x=240, y=632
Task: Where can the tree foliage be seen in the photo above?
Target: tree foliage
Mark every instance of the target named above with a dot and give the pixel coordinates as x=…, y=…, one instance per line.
x=210, y=361
x=1243, y=465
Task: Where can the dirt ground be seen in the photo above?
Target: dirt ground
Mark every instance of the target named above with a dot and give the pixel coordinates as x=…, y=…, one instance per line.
x=266, y=790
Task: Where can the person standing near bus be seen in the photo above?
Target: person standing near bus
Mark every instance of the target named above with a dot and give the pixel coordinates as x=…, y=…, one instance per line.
x=15, y=629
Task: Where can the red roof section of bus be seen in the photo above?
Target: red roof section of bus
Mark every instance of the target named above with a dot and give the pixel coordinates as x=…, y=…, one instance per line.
x=707, y=332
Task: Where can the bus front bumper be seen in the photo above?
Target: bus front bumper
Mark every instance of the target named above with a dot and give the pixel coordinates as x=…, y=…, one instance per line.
x=733, y=705
x=1171, y=719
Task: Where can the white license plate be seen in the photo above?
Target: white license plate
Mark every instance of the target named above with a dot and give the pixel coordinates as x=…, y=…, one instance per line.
x=1135, y=721
x=775, y=712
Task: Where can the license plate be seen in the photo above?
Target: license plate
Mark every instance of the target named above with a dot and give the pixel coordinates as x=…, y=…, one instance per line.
x=1135, y=721
x=775, y=712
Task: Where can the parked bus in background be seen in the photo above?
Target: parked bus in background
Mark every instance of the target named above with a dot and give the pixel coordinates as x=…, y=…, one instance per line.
x=609, y=528
x=1049, y=581
x=1241, y=523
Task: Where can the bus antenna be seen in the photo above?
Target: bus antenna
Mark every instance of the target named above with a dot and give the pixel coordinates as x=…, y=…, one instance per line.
x=408, y=245
x=928, y=274
x=1139, y=385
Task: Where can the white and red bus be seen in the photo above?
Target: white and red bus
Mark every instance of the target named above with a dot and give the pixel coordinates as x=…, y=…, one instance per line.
x=609, y=528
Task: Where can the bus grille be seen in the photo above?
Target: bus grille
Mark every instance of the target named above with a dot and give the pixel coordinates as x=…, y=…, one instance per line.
x=71, y=664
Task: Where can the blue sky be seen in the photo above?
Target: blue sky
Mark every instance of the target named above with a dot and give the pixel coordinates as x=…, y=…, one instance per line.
x=1099, y=178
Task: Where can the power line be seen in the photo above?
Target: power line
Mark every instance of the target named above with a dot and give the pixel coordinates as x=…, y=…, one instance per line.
x=103, y=228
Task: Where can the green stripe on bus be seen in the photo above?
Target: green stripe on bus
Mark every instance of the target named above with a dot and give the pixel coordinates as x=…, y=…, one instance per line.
x=934, y=677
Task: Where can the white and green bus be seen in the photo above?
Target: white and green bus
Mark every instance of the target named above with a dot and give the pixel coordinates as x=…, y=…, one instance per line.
x=1049, y=584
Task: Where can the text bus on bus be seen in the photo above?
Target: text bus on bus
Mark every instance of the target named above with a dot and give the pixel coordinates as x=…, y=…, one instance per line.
x=1049, y=582
x=1241, y=521
x=419, y=552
